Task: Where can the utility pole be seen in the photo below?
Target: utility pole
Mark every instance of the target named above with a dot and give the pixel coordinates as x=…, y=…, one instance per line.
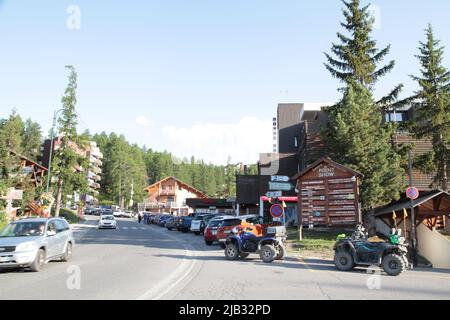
x=413, y=239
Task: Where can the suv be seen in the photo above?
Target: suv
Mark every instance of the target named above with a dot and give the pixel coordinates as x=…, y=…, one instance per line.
x=199, y=223
x=185, y=224
x=251, y=223
x=31, y=243
x=210, y=234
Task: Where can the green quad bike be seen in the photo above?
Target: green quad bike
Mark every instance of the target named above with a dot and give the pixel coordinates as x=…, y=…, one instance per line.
x=358, y=251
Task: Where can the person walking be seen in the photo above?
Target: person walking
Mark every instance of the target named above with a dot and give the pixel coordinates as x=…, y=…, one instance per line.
x=140, y=217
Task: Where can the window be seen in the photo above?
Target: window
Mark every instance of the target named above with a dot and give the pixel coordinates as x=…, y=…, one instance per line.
x=60, y=226
x=396, y=117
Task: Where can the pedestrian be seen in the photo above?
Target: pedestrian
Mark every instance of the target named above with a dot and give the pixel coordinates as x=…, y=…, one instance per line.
x=140, y=217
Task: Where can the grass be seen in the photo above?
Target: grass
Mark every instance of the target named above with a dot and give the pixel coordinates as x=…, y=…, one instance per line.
x=315, y=243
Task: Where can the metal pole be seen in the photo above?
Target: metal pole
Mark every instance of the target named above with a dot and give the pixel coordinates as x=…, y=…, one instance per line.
x=413, y=216
x=52, y=137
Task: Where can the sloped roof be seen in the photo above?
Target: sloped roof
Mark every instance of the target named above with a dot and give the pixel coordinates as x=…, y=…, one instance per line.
x=330, y=162
x=406, y=203
x=185, y=185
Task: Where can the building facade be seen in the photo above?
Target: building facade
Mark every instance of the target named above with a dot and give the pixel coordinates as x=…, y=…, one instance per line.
x=169, y=195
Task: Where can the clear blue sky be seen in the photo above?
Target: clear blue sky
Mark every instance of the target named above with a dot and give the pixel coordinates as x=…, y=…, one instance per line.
x=189, y=67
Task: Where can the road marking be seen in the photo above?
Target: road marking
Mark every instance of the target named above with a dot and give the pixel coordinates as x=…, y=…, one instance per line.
x=134, y=228
x=125, y=228
x=142, y=228
x=176, y=277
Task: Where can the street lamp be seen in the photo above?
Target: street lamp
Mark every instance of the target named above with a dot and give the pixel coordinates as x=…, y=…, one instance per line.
x=52, y=137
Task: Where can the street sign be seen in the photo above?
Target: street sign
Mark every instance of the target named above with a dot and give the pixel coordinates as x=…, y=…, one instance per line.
x=280, y=186
x=14, y=194
x=412, y=193
x=276, y=210
x=279, y=178
x=274, y=194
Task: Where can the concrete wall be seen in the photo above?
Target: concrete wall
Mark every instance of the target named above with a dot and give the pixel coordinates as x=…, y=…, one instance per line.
x=434, y=247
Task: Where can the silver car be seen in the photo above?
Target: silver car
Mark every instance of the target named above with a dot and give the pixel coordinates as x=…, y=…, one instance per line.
x=31, y=243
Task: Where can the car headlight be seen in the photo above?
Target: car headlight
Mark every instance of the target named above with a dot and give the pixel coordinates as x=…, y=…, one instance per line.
x=25, y=246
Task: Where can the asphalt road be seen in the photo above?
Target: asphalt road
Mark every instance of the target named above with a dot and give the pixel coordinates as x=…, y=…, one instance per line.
x=148, y=262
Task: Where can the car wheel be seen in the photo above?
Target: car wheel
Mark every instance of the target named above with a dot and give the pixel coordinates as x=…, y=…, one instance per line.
x=197, y=233
x=281, y=251
x=68, y=253
x=209, y=243
x=267, y=253
x=38, y=262
x=344, y=261
x=393, y=264
x=231, y=252
x=170, y=229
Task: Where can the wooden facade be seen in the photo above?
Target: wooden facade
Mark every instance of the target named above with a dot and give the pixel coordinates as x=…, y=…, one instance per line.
x=328, y=194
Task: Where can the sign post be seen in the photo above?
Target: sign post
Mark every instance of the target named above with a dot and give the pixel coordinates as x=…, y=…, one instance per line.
x=413, y=194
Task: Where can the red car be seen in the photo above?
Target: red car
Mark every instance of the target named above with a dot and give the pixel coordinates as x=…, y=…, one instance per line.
x=210, y=233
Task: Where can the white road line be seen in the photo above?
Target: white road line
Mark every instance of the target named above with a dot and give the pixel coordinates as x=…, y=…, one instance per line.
x=142, y=228
x=125, y=228
x=134, y=228
x=176, y=277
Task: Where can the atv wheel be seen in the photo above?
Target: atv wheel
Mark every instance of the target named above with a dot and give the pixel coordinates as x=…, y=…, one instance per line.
x=343, y=261
x=267, y=253
x=393, y=264
x=231, y=252
x=281, y=252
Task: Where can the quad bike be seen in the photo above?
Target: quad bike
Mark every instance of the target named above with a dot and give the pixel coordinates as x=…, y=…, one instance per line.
x=357, y=250
x=241, y=243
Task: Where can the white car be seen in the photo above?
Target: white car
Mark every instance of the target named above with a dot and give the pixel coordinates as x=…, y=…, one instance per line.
x=118, y=214
x=107, y=222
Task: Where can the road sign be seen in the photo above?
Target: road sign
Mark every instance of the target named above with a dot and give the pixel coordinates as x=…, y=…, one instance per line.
x=412, y=193
x=276, y=210
x=280, y=186
x=279, y=178
x=14, y=194
x=274, y=194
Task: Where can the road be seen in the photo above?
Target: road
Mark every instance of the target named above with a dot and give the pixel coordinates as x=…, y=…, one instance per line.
x=147, y=262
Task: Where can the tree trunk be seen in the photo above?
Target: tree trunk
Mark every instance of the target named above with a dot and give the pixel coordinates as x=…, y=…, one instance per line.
x=58, y=197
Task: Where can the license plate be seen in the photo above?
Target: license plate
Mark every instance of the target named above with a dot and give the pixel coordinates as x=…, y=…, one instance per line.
x=4, y=259
x=214, y=232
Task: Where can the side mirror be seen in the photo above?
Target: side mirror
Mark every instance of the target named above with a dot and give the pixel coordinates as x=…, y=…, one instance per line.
x=51, y=233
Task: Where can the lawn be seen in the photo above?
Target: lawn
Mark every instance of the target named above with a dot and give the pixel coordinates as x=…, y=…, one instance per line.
x=315, y=243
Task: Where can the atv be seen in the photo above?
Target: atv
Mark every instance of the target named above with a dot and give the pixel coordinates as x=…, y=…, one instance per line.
x=357, y=250
x=241, y=243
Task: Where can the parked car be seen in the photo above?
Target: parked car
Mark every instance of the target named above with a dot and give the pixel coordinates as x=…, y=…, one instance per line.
x=173, y=223
x=199, y=223
x=162, y=220
x=185, y=224
x=118, y=214
x=107, y=222
x=31, y=243
x=106, y=212
x=210, y=234
x=250, y=221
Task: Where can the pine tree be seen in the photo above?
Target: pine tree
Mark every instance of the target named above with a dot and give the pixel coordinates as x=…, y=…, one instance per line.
x=358, y=139
x=69, y=162
x=432, y=113
x=31, y=140
x=356, y=58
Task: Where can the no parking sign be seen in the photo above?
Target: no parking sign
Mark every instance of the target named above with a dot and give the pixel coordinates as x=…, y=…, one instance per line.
x=276, y=210
x=412, y=193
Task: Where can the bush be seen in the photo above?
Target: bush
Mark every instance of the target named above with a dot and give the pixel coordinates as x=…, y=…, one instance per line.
x=70, y=215
x=3, y=221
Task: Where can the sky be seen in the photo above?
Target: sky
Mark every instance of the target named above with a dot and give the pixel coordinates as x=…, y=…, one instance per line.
x=193, y=77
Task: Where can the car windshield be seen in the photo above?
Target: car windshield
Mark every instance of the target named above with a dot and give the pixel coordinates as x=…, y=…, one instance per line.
x=23, y=229
x=215, y=223
x=108, y=218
